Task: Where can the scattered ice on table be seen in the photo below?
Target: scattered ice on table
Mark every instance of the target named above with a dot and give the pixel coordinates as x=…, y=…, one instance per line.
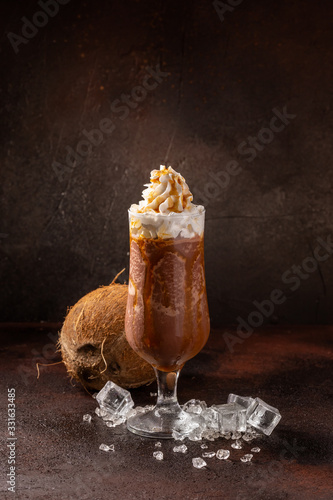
x=263, y=416
x=158, y=444
x=204, y=446
x=247, y=458
x=244, y=401
x=87, y=418
x=222, y=454
x=208, y=454
x=180, y=449
x=198, y=463
x=232, y=417
x=195, y=406
x=256, y=449
x=105, y=447
x=237, y=445
x=158, y=455
x=114, y=399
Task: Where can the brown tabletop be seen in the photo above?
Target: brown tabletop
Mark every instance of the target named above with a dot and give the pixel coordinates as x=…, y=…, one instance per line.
x=57, y=454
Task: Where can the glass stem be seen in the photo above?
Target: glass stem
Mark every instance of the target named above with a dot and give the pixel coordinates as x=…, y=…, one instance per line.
x=167, y=390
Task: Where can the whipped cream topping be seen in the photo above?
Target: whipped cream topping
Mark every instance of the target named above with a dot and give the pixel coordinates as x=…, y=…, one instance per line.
x=167, y=192
x=166, y=210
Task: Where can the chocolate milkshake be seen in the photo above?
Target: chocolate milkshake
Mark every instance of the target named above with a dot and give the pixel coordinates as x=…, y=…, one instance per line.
x=167, y=318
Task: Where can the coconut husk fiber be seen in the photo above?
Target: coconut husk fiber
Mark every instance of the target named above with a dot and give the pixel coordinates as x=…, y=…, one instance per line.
x=93, y=343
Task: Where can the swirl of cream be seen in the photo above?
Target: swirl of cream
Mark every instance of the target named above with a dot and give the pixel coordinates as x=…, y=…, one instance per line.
x=166, y=193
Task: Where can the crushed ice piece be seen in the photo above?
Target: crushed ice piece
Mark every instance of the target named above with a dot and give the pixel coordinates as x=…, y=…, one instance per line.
x=263, y=416
x=195, y=434
x=256, y=449
x=87, y=418
x=153, y=394
x=114, y=399
x=105, y=447
x=208, y=454
x=180, y=449
x=195, y=406
x=236, y=435
x=210, y=435
x=115, y=421
x=231, y=417
x=248, y=437
x=198, y=462
x=158, y=455
x=101, y=412
x=243, y=401
x=178, y=436
x=237, y=445
x=204, y=446
x=226, y=435
x=222, y=454
x=158, y=444
x=247, y=458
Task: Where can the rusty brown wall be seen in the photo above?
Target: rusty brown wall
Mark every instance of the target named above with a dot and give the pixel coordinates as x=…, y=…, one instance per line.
x=221, y=79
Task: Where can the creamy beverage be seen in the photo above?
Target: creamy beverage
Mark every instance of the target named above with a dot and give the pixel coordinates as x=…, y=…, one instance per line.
x=167, y=318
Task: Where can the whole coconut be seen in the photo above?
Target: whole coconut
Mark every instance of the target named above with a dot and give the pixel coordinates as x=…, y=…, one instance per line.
x=93, y=343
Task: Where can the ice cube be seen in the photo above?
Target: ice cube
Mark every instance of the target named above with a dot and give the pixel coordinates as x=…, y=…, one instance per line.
x=180, y=449
x=244, y=401
x=247, y=458
x=211, y=417
x=87, y=418
x=195, y=406
x=198, y=462
x=114, y=399
x=158, y=444
x=208, y=454
x=263, y=416
x=222, y=454
x=232, y=417
x=105, y=447
x=256, y=449
x=203, y=446
x=237, y=445
x=158, y=455
x=236, y=435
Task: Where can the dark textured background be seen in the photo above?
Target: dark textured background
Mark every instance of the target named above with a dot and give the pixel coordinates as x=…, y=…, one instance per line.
x=61, y=238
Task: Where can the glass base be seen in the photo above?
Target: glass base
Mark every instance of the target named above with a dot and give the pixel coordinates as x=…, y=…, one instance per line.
x=161, y=423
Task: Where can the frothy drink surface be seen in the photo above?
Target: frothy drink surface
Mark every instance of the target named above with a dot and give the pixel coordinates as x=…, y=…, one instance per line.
x=167, y=318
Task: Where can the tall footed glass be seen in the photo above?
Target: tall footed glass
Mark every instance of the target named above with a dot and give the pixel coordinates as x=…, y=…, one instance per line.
x=167, y=318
